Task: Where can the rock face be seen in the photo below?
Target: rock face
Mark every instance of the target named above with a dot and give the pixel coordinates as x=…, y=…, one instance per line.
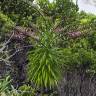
x=18, y=48
x=77, y=83
x=19, y=60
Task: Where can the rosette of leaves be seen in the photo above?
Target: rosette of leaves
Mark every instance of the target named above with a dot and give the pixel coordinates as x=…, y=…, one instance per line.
x=44, y=62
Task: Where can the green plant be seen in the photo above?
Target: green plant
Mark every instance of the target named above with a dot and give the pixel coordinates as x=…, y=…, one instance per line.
x=6, y=24
x=19, y=11
x=80, y=58
x=44, y=62
x=6, y=88
x=5, y=84
x=27, y=90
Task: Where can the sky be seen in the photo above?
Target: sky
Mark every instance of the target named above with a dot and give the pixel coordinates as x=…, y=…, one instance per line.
x=85, y=6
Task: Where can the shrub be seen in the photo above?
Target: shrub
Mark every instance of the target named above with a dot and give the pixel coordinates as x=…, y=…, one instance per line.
x=44, y=62
x=6, y=24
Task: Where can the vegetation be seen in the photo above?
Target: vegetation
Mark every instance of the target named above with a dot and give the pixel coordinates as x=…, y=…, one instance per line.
x=65, y=41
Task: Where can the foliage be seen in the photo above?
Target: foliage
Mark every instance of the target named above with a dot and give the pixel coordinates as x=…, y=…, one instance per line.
x=27, y=90
x=5, y=84
x=82, y=57
x=5, y=87
x=6, y=24
x=47, y=7
x=44, y=62
x=73, y=46
x=19, y=11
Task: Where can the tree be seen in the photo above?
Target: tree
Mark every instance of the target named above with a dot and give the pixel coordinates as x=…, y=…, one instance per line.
x=19, y=11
